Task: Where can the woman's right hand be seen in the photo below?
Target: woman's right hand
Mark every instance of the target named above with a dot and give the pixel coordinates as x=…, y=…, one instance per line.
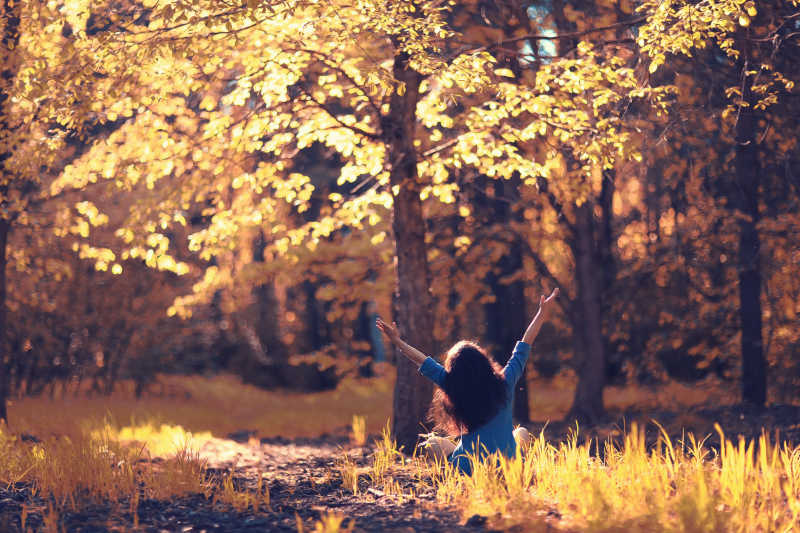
x=389, y=331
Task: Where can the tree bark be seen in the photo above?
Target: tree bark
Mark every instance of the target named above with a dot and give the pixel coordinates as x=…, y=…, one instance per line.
x=267, y=327
x=11, y=14
x=606, y=263
x=587, y=404
x=748, y=174
x=507, y=317
x=414, y=303
x=317, y=336
x=266, y=311
x=4, y=356
x=605, y=253
x=590, y=358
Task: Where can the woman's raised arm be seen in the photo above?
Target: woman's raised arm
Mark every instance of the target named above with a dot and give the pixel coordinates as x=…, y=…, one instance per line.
x=516, y=364
x=545, y=308
x=406, y=349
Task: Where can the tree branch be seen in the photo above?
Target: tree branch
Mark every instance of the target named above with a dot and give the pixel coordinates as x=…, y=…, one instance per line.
x=444, y=146
x=327, y=108
x=554, y=203
x=543, y=37
x=324, y=59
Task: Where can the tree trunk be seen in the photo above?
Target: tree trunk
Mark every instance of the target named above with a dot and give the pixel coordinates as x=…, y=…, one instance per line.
x=754, y=366
x=11, y=14
x=606, y=263
x=587, y=325
x=267, y=315
x=605, y=254
x=507, y=316
x=314, y=319
x=507, y=319
x=587, y=404
x=412, y=392
x=267, y=312
x=116, y=357
x=4, y=356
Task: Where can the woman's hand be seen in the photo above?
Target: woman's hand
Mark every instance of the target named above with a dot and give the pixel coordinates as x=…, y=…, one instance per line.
x=406, y=349
x=545, y=308
x=546, y=304
x=390, y=331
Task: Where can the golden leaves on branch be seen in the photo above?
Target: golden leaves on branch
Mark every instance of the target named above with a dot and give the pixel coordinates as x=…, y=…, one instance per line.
x=218, y=101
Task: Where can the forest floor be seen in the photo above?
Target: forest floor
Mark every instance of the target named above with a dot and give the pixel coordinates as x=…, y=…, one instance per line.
x=304, y=473
x=305, y=485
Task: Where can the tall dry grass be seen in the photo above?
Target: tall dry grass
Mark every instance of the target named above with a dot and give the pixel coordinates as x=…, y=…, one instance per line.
x=70, y=472
x=98, y=449
x=76, y=450
x=674, y=486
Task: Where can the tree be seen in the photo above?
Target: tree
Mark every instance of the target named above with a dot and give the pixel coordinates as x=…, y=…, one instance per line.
x=10, y=41
x=28, y=154
x=218, y=103
x=754, y=49
x=41, y=211
x=314, y=91
x=573, y=102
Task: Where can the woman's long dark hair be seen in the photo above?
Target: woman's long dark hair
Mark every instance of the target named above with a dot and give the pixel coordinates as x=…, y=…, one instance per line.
x=473, y=390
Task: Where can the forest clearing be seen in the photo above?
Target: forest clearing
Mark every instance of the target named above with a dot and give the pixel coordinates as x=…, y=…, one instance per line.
x=399, y=265
x=185, y=463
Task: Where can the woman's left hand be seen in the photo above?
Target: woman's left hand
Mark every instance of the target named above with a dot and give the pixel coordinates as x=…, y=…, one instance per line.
x=546, y=304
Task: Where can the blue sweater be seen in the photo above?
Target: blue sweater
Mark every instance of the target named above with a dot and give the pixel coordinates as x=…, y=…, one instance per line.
x=496, y=434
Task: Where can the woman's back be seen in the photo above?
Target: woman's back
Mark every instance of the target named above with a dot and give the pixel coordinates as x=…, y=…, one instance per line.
x=485, y=412
x=497, y=433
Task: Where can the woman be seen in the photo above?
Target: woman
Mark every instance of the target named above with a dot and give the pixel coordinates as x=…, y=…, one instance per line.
x=474, y=395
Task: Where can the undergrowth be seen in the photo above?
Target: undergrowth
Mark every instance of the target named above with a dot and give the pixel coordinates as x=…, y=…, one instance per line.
x=70, y=473
x=681, y=486
x=73, y=451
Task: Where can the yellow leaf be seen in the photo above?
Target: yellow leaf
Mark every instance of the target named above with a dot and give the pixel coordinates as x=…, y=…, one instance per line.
x=462, y=241
x=504, y=72
x=208, y=103
x=744, y=20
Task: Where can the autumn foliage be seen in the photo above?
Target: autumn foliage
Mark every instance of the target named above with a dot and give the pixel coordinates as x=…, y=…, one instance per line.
x=196, y=185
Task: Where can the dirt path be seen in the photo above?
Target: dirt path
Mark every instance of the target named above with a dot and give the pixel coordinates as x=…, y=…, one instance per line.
x=303, y=482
